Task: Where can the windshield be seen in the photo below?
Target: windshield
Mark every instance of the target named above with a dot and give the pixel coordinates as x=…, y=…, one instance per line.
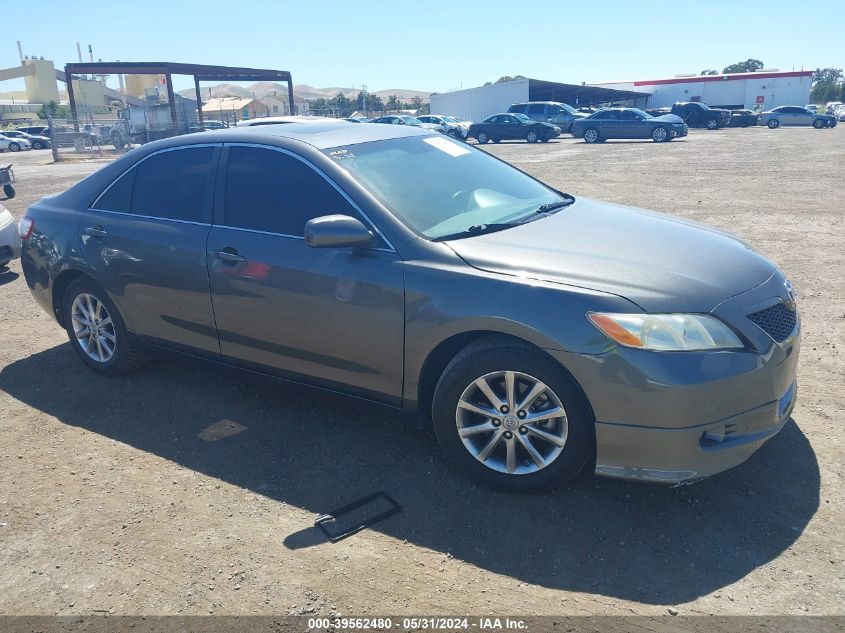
x=411, y=120
x=438, y=187
x=642, y=113
x=522, y=117
x=568, y=108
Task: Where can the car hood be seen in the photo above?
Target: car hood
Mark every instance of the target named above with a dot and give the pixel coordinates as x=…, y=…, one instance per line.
x=431, y=126
x=660, y=262
x=668, y=118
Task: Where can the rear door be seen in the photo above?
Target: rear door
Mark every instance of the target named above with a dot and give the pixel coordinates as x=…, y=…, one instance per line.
x=332, y=315
x=536, y=112
x=145, y=238
x=630, y=125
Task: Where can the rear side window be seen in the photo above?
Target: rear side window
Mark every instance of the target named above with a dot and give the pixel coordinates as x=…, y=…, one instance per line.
x=517, y=107
x=271, y=191
x=536, y=108
x=171, y=185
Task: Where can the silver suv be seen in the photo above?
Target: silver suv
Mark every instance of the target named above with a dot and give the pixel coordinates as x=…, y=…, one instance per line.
x=560, y=114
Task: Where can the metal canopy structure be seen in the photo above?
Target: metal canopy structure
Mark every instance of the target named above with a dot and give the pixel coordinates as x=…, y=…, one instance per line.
x=577, y=94
x=200, y=72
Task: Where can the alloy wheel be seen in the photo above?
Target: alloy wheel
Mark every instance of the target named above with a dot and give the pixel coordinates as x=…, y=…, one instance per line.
x=512, y=422
x=659, y=134
x=532, y=137
x=14, y=147
x=93, y=328
x=591, y=135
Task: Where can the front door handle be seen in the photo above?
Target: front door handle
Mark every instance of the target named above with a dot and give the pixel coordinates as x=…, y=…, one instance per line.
x=96, y=231
x=230, y=255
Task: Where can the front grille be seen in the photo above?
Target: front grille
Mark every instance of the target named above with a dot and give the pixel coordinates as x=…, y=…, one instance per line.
x=778, y=321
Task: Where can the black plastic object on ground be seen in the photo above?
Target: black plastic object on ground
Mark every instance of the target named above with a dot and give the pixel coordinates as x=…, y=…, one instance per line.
x=360, y=515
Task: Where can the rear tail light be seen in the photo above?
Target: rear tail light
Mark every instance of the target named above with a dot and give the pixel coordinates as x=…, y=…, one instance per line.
x=25, y=227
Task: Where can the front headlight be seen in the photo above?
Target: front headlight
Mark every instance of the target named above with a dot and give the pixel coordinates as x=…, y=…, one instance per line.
x=666, y=332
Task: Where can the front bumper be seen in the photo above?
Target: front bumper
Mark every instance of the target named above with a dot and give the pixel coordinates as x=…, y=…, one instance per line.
x=677, y=417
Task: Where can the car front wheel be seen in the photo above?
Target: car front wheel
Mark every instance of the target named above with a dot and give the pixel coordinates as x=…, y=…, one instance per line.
x=510, y=417
x=712, y=124
x=773, y=123
x=532, y=136
x=659, y=134
x=591, y=135
x=482, y=138
x=97, y=331
x=819, y=124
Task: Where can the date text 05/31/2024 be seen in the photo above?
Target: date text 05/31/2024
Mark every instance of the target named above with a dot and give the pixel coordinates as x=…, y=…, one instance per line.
x=417, y=623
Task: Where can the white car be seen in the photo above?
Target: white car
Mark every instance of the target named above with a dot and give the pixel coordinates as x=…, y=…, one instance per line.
x=839, y=113
x=10, y=242
x=13, y=144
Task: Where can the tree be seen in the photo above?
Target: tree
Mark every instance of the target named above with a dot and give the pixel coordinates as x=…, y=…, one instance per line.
x=393, y=103
x=748, y=66
x=54, y=110
x=709, y=71
x=827, y=85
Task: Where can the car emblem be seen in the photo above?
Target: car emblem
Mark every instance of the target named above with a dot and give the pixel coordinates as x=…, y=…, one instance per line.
x=790, y=293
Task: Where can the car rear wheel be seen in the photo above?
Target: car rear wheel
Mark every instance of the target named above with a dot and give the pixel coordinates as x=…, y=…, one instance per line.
x=773, y=123
x=482, y=138
x=819, y=124
x=9, y=191
x=660, y=134
x=14, y=147
x=712, y=124
x=532, y=136
x=591, y=135
x=97, y=331
x=454, y=134
x=511, y=418
x=37, y=145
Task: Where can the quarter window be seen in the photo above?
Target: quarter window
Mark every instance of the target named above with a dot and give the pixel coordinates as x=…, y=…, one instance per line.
x=268, y=190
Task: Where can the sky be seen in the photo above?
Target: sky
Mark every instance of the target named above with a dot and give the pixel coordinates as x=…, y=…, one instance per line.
x=437, y=45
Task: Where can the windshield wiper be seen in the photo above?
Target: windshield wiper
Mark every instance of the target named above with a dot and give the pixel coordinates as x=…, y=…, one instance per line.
x=546, y=209
x=476, y=229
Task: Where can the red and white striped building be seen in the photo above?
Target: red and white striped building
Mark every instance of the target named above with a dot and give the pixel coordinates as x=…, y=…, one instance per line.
x=765, y=88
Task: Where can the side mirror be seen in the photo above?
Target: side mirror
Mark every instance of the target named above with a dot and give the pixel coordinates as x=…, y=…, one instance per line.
x=337, y=231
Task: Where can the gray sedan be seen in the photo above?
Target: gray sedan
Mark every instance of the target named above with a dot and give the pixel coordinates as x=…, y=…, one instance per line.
x=628, y=123
x=796, y=115
x=538, y=332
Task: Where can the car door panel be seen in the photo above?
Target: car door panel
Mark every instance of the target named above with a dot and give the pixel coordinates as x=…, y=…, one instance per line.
x=155, y=267
x=332, y=316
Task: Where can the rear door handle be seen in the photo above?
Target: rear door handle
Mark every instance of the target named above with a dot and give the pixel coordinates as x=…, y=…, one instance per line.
x=96, y=231
x=230, y=255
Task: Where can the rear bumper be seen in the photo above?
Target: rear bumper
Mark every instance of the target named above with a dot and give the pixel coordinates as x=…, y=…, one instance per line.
x=10, y=243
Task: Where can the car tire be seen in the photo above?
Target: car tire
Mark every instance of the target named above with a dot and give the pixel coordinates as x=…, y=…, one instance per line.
x=591, y=135
x=532, y=136
x=14, y=147
x=113, y=353
x=660, y=134
x=819, y=124
x=454, y=134
x=573, y=433
x=712, y=124
x=37, y=145
x=8, y=191
x=773, y=124
x=482, y=138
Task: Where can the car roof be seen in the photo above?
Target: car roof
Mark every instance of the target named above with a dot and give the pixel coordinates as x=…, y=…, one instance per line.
x=320, y=135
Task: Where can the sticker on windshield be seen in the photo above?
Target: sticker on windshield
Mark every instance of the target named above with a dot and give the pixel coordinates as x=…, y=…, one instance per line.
x=445, y=145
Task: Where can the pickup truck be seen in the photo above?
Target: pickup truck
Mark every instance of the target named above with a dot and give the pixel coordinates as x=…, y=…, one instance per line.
x=697, y=114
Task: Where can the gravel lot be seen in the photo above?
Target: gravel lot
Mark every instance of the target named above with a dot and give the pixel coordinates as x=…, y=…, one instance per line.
x=189, y=489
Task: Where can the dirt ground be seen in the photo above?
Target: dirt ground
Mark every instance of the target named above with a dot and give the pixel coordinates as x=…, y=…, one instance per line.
x=189, y=489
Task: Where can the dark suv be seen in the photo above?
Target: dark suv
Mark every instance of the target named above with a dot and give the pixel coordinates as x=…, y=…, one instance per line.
x=697, y=114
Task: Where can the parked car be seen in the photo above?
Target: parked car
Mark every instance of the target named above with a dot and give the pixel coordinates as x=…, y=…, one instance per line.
x=744, y=118
x=404, y=119
x=66, y=135
x=795, y=115
x=539, y=332
x=559, y=114
x=10, y=242
x=812, y=107
x=357, y=119
x=500, y=127
x=274, y=120
x=452, y=126
x=628, y=123
x=831, y=106
x=839, y=113
x=208, y=125
x=35, y=130
x=37, y=142
x=13, y=144
x=696, y=114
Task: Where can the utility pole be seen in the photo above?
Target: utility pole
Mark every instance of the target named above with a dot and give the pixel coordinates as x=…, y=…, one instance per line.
x=364, y=97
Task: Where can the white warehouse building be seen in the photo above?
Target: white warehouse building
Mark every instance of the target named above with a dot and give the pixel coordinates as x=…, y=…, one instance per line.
x=765, y=88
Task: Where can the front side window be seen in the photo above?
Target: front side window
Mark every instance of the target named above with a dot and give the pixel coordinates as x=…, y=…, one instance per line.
x=536, y=108
x=271, y=191
x=463, y=187
x=171, y=185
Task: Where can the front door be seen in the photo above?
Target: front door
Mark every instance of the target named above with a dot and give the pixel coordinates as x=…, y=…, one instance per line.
x=334, y=316
x=145, y=238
